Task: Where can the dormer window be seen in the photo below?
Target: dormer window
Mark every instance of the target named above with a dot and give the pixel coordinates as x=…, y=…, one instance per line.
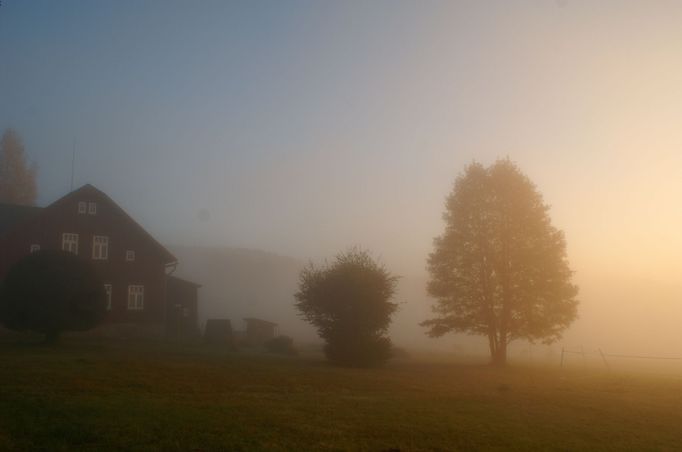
x=92, y=208
x=130, y=255
x=82, y=207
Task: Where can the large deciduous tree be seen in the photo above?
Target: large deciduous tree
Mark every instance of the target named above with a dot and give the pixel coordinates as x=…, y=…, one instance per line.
x=500, y=268
x=349, y=304
x=17, y=177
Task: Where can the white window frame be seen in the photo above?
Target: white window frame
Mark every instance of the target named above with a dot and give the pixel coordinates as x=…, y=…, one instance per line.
x=107, y=290
x=135, y=297
x=70, y=242
x=100, y=247
x=130, y=255
x=92, y=208
x=82, y=207
x=34, y=247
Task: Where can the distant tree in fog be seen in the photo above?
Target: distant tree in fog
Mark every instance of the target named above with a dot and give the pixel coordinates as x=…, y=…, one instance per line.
x=17, y=178
x=500, y=267
x=49, y=292
x=349, y=304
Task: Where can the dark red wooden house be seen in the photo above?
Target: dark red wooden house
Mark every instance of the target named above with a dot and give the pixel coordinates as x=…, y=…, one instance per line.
x=133, y=266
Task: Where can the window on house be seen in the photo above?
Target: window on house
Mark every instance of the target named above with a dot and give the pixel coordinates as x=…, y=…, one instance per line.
x=135, y=298
x=82, y=207
x=35, y=247
x=70, y=242
x=100, y=247
x=130, y=255
x=92, y=208
x=107, y=291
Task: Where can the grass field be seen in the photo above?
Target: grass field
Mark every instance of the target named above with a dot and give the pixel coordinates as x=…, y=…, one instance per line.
x=105, y=397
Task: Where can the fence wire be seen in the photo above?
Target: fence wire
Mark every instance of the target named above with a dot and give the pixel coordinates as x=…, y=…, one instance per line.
x=605, y=356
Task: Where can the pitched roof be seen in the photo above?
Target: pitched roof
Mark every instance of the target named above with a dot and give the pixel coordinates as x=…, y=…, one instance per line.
x=167, y=255
x=12, y=215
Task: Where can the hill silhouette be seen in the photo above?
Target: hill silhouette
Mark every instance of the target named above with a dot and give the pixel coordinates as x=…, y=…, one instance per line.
x=238, y=283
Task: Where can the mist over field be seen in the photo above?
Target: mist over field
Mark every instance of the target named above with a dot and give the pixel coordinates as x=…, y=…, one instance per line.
x=301, y=131
x=625, y=316
x=432, y=225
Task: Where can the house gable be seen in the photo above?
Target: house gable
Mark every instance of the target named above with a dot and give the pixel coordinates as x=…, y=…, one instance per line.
x=100, y=208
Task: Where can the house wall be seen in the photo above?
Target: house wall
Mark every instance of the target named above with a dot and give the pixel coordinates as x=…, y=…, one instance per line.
x=148, y=269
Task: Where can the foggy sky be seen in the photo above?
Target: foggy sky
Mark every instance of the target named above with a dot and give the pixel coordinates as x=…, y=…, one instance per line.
x=305, y=127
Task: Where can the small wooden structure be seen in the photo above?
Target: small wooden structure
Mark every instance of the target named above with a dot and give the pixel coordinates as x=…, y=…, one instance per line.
x=259, y=331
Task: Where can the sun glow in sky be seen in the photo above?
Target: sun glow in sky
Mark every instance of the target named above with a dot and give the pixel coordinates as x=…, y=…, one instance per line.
x=306, y=127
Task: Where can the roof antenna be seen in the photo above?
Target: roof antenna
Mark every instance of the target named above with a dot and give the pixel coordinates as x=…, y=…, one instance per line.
x=73, y=162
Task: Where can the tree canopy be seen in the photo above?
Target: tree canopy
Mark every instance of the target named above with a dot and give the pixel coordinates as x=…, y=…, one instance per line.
x=50, y=292
x=349, y=304
x=500, y=268
x=17, y=177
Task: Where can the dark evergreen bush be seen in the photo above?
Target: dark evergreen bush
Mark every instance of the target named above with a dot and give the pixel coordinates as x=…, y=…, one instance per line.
x=50, y=292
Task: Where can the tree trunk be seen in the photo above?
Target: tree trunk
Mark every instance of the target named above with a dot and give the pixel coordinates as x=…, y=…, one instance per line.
x=499, y=358
x=491, y=344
